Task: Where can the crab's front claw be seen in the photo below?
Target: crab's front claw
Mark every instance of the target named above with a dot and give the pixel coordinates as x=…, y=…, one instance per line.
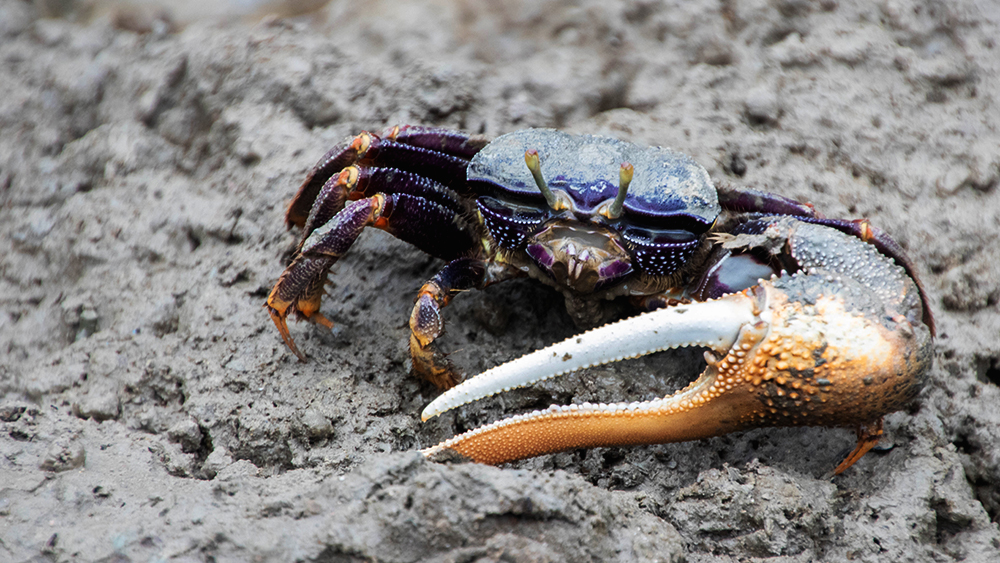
x=794, y=351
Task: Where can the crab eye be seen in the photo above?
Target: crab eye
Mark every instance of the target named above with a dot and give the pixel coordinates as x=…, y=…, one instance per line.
x=509, y=223
x=660, y=252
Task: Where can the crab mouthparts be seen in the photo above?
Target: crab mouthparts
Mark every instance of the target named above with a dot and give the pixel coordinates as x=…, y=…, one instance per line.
x=581, y=257
x=713, y=324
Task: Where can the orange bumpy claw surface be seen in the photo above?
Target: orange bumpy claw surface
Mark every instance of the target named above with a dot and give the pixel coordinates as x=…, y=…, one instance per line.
x=803, y=350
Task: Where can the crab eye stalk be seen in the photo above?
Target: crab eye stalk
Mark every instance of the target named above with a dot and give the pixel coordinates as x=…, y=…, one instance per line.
x=614, y=211
x=535, y=165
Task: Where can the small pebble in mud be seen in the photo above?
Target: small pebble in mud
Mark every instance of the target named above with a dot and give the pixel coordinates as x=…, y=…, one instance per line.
x=80, y=317
x=316, y=425
x=97, y=405
x=63, y=457
x=187, y=434
x=89, y=321
x=164, y=318
x=216, y=461
x=761, y=107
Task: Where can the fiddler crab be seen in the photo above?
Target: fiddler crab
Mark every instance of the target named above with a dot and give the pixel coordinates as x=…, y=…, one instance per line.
x=806, y=320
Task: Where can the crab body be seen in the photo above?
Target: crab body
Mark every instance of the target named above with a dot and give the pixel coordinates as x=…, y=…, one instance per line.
x=577, y=243
x=810, y=321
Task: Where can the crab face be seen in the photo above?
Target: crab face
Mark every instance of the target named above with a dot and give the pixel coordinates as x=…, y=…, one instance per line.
x=589, y=211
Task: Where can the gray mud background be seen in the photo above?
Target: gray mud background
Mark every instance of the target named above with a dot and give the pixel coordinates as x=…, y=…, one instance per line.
x=149, y=411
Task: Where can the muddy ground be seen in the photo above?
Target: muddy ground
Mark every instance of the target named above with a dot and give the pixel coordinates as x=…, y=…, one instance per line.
x=150, y=412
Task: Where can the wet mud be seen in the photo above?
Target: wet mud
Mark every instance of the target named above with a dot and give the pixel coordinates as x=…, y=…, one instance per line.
x=150, y=411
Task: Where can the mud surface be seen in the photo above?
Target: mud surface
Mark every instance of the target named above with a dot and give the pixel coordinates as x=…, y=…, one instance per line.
x=149, y=410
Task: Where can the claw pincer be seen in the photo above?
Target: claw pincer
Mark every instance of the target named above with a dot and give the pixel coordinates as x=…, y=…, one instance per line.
x=821, y=347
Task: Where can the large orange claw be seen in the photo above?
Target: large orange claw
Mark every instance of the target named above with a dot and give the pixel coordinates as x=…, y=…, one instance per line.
x=800, y=350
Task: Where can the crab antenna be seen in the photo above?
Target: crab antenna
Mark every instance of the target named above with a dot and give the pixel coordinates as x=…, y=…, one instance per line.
x=534, y=164
x=624, y=179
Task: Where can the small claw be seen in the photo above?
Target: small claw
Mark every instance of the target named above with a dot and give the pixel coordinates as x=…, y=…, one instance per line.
x=426, y=326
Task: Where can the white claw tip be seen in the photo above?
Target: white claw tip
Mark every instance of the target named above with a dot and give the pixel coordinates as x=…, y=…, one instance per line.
x=714, y=324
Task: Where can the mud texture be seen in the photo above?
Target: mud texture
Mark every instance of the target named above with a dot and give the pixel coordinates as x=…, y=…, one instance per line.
x=150, y=412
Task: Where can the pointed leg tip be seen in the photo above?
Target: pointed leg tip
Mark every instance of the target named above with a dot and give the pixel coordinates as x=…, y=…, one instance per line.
x=868, y=436
x=846, y=464
x=432, y=365
x=442, y=378
x=317, y=317
x=280, y=321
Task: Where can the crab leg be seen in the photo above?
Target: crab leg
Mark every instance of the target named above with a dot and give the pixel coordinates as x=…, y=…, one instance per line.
x=300, y=287
x=353, y=183
x=438, y=153
x=427, y=323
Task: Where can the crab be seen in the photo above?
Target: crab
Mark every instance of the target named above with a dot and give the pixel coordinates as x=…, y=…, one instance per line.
x=805, y=320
